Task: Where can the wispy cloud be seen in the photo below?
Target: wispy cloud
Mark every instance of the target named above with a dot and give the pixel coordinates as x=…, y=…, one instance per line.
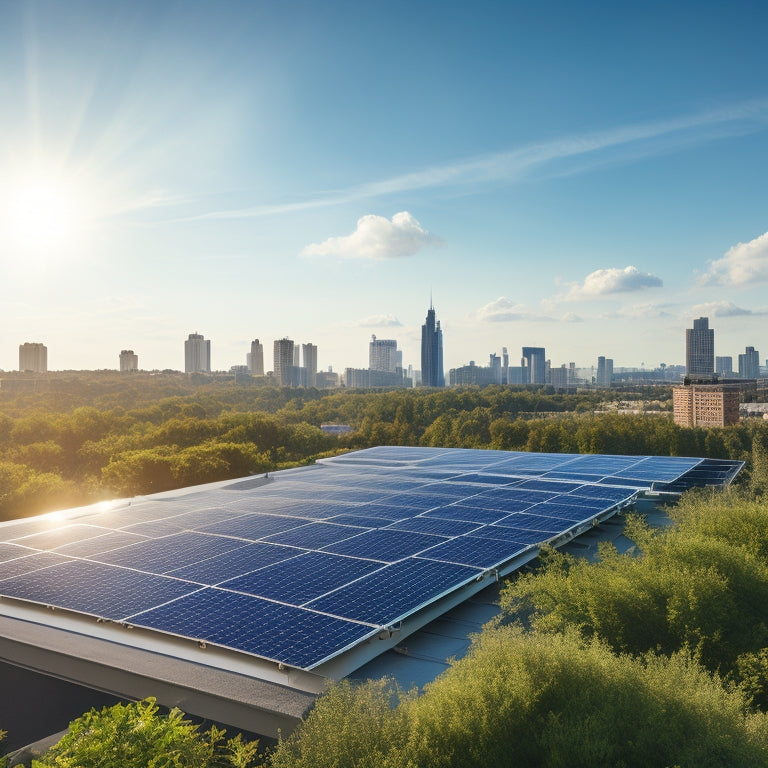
x=376, y=237
x=604, y=282
x=504, y=310
x=743, y=264
x=379, y=321
x=510, y=166
x=721, y=309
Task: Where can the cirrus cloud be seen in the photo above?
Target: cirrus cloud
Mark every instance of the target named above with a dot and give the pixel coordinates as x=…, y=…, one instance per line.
x=379, y=321
x=504, y=310
x=742, y=264
x=604, y=282
x=376, y=237
x=720, y=309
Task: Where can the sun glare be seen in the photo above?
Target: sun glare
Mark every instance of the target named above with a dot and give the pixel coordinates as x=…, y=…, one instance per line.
x=42, y=217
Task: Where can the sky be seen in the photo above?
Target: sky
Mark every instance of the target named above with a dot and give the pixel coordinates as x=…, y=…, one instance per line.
x=583, y=176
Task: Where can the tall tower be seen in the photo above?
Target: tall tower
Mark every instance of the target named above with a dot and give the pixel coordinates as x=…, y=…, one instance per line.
x=197, y=354
x=382, y=355
x=700, y=349
x=255, y=358
x=129, y=361
x=749, y=364
x=534, y=364
x=33, y=357
x=309, y=354
x=432, y=351
x=282, y=362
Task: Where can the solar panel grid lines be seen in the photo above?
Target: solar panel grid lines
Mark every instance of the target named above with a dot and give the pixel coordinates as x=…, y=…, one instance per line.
x=383, y=544
x=467, y=514
x=57, y=537
x=35, y=561
x=315, y=535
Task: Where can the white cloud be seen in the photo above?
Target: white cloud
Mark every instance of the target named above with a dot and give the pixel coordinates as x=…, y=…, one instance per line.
x=604, y=282
x=504, y=310
x=645, y=311
x=572, y=317
x=379, y=321
x=720, y=309
x=743, y=263
x=376, y=237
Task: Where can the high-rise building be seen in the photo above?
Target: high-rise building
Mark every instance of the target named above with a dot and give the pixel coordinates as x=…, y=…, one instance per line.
x=129, y=361
x=724, y=365
x=255, y=358
x=33, y=357
x=309, y=353
x=705, y=405
x=496, y=369
x=383, y=355
x=700, y=349
x=504, y=366
x=282, y=361
x=749, y=364
x=534, y=360
x=432, y=352
x=197, y=354
x=604, y=372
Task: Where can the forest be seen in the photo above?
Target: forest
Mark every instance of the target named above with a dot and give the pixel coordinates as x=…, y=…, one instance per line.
x=657, y=656
x=90, y=438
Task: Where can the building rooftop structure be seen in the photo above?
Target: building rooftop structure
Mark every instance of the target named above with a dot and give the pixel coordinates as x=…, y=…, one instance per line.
x=240, y=600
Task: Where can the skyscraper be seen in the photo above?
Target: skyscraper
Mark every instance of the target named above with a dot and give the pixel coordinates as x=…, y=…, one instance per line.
x=604, y=372
x=382, y=355
x=33, y=357
x=309, y=354
x=255, y=358
x=700, y=349
x=724, y=365
x=534, y=361
x=197, y=354
x=282, y=360
x=129, y=361
x=749, y=364
x=432, y=352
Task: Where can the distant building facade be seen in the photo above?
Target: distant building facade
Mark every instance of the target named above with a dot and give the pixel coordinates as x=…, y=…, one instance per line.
x=383, y=355
x=534, y=361
x=724, y=366
x=129, y=361
x=309, y=355
x=33, y=357
x=197, y=354
x=604, y=372
x=255, y=358
x=471, y=375
x=705, y=405
x=282, y=360
x=432, y=374
x=749, y=364
x=700, y=349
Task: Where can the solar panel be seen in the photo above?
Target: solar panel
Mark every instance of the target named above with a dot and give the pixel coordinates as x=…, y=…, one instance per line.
x=299, y=566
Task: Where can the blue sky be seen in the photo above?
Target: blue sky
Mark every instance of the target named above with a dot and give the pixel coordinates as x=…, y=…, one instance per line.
x=583, y=176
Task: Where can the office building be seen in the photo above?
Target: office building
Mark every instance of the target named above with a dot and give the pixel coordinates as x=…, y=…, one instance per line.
x=558, y=377
x=705, y=405
x=700, y=349
x=724, y=366
x=383, y=355
x=432, y=352
x=33, y=357
x=255, y=358
x=129, y=361
x=309, y=354
x=282, y=360
x=472, y=375
x=604, y=372
x=497, y=371
x=365, y=378
x=749, y=364
x=504, y=365
x=197, y=354
x=534, y=361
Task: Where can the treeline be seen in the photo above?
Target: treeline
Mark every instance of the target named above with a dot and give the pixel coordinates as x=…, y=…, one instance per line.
x=135, y=438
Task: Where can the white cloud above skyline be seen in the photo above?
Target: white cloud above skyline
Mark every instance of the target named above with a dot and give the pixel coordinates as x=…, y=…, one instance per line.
x=378, y=238
x=380, y=321
x=604, y=282
x=720, y=309
x=743, y=264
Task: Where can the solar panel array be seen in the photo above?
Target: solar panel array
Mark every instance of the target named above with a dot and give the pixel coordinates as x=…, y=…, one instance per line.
x=299, y=567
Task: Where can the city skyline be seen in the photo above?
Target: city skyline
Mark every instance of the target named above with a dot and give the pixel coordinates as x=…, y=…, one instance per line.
x=587, y=178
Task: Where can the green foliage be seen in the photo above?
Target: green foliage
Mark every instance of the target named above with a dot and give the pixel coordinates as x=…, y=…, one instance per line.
x=537, y=700
x=138, y=736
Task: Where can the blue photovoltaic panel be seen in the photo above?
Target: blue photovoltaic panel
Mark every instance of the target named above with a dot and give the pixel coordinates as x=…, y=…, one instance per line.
x=550, y=486
x=12, y=551
x=468, y=514
x=359, y=520
x=168, y=553
x=294, y=636
x=252, y=527
x=479, y=553
x=568, y=512
x=59, y=536
x=96, y=589
x=520, y=536
x=541, y=523
x=306, y=577
x=392, y=592
x=386, y=511
x=98, y=544
x=436, y=525
x=314, y=535
x=20, y=565
x=613, y=494
x=235, y=562
x=413, y=501
x=384, y=545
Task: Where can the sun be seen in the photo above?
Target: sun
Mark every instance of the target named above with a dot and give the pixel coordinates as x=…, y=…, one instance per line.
x=42, y=216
